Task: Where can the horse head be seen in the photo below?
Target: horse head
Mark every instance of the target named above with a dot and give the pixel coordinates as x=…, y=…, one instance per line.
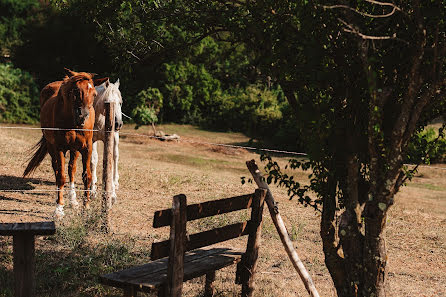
x=78, y=92
x=109, y=92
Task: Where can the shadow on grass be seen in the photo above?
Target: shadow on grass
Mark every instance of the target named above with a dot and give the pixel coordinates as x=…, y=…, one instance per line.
x=10, y=185
x=9, y=182
x=21, y=212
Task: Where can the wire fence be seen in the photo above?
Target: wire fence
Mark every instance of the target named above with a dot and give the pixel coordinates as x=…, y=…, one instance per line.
x=160, y=137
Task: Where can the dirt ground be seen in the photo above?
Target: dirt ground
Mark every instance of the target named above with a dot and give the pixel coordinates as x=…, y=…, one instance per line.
x=152, y=171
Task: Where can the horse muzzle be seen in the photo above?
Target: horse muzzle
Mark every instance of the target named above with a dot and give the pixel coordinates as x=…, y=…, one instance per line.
x=118, y=124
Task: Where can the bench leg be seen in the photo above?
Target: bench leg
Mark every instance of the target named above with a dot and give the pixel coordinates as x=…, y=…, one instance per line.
x=209, y=286
x=24, y=262
x=130, y=292
x=162, y=291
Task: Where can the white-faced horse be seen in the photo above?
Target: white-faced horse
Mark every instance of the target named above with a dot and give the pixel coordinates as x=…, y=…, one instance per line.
x=107, y=92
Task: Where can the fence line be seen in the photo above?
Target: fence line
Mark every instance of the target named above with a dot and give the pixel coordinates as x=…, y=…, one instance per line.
x=44, y=190
x=159, y=137
x=47, y=128
x=199, y=142
x=220, y=144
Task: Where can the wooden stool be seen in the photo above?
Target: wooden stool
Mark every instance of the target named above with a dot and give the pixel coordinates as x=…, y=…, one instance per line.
x=23, y=252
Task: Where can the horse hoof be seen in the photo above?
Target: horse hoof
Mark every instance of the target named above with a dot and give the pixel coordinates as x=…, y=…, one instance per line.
x=59, y=213
x=93, y=192
x=73, y=200
x=114, y=198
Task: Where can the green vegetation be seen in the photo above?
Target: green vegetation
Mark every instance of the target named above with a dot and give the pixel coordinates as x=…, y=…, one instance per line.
x=19, y=96
x=14, y=17
x=427, y=146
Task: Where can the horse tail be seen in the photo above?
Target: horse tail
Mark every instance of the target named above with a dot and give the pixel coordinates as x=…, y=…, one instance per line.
x=40, y=151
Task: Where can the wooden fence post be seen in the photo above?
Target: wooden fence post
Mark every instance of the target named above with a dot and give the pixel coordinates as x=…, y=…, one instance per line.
x=249, y=262
x=281, y=229
x=175, y=270
x=107, y=171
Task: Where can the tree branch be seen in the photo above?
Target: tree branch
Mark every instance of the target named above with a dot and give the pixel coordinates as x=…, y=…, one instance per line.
x=355, y=31
x=364, y=14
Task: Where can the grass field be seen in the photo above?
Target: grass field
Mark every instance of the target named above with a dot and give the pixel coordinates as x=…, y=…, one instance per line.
x=151, y=172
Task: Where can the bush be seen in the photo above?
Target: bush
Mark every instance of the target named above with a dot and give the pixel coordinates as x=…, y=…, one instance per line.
x=189, y=91
x=148, y=104
x=427, y=148
x=19, y=96
x=253, y=110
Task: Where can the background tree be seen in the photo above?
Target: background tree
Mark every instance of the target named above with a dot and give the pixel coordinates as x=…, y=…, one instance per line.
x=361, y=77
x=19, y=96
x=14, y=16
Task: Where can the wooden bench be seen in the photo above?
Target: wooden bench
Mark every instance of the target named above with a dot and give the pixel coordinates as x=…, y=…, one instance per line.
x=23, y=252
x=184, y=257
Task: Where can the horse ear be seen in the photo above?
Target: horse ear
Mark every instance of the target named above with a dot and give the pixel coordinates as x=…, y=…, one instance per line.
x=117, y=83
x=99, y=81
x=69, y=72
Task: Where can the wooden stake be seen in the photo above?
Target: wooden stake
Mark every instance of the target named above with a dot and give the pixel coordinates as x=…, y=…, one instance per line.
x=107, y=172
x=281, y=229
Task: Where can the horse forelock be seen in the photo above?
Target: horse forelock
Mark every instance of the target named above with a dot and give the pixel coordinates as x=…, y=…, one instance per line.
x=78, y=77
x=73, y=85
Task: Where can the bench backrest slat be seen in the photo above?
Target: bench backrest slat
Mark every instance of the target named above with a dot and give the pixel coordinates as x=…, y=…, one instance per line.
x=206, y=209
x=179, y=243
x=202, y=239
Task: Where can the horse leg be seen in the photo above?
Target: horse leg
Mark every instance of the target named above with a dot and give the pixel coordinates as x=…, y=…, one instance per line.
x=94, y=164
x=58, y=163
x=115, y=183
x=71, y=173
x=86, y=174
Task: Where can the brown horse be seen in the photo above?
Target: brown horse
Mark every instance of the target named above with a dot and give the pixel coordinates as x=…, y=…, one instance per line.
x=66, y=110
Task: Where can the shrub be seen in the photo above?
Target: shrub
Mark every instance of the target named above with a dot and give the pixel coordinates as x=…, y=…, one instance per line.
x=148, y=104
x=427, y=147
x=253, y=110
x=19, y=96
x=189, y=91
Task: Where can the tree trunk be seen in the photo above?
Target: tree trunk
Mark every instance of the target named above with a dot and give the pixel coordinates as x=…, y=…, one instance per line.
x=354, y=248
x=363, y=278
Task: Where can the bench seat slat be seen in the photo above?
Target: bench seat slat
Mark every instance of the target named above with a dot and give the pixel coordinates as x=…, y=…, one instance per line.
x=38, y=228
x=149, y=276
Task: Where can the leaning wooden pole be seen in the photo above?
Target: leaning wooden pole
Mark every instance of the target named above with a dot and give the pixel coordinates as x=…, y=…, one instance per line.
x=281, y=229
x=107, y=171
